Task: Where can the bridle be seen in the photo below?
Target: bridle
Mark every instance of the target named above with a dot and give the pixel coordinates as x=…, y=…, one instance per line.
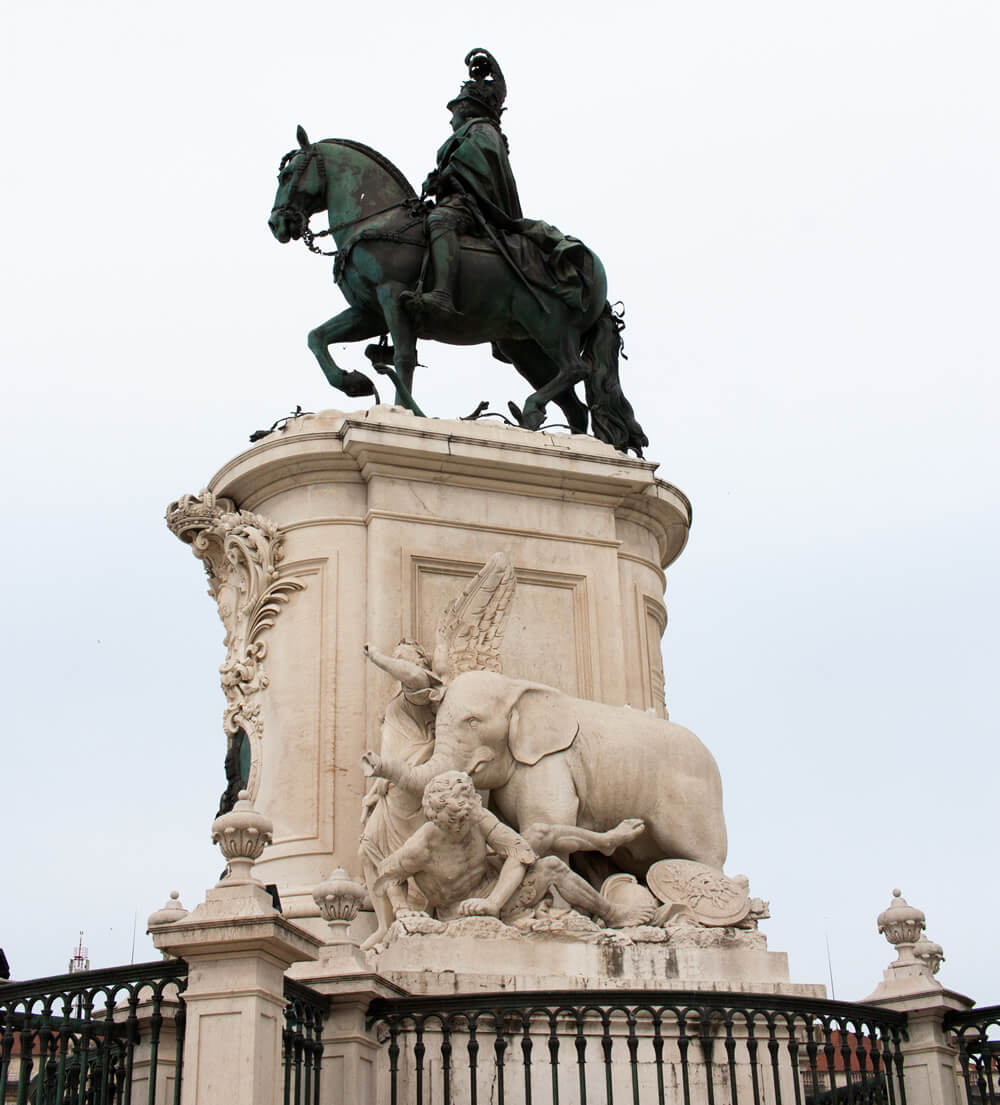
x=291, y=211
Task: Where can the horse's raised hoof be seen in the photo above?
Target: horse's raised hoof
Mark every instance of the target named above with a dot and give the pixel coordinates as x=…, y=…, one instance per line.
x=357, y=385
x=380, y=356
x=527, y=419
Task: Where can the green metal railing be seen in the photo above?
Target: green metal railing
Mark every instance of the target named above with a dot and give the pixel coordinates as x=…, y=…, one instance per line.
x=978, y=1035
x=644, y=1047
x=106, y=1037
x=302, y=1043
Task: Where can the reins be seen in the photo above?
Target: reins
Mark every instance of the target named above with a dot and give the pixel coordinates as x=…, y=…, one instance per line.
x=309, y=236
x=289, y=209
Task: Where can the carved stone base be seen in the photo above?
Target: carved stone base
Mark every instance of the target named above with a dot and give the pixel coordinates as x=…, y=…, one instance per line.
x=379, y=519
x=572, y=952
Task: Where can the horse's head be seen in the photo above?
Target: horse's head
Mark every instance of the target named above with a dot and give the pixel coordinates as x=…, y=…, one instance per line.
x=301, y=190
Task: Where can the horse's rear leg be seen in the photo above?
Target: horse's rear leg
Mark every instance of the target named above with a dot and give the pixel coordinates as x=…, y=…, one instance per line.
x=404, y=341
x=350, y=325
x=572, y=368
x=538, y=368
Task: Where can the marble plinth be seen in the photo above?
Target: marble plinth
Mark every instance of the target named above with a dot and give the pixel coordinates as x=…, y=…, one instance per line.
x=347, y=528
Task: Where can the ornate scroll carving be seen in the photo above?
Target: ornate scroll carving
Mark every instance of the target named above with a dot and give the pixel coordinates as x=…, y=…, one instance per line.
x=241, y=552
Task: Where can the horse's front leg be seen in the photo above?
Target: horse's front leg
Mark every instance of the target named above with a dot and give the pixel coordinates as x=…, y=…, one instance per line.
x=404, y=340
x=350, y=325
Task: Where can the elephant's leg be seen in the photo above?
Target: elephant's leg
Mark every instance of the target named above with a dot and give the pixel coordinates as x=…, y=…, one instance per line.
x=547, y=840
x=541, y=794
x=350, y=325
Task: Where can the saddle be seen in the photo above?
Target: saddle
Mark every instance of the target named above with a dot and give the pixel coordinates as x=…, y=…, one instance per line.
x=553, y=262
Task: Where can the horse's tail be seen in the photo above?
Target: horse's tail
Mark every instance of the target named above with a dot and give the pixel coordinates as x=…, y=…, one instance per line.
x=611, y=416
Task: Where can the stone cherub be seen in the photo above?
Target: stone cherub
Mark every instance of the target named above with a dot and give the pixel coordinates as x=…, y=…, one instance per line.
x=468, y=635
x=468, y=863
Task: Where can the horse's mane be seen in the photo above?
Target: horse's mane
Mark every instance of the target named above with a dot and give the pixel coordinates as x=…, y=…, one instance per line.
x=379, y=159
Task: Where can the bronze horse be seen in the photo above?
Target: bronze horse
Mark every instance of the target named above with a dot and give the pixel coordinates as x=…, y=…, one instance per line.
x=376, y=221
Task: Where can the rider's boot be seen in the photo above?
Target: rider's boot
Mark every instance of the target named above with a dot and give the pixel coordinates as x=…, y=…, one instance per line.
x=438, y=305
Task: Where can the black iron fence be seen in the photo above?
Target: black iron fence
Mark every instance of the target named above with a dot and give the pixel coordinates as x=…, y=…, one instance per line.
x=116, y=1037
x=642, y=1047
x=302, y=1042
x=978, y=1054
x=94, y=1037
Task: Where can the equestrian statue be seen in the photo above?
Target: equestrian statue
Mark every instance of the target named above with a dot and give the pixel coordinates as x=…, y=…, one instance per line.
x=458, y=264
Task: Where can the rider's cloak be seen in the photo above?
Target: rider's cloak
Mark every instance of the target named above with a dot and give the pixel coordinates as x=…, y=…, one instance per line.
x=476, y=156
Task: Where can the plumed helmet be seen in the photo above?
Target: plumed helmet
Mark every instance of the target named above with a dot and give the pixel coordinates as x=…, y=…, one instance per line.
x=486, y=87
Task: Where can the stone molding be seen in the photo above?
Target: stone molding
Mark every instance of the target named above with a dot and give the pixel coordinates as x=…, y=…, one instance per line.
x=336, y=446
x=241, y=552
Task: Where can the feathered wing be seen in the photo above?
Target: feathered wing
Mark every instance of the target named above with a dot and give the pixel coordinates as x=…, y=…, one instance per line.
x=471, y=628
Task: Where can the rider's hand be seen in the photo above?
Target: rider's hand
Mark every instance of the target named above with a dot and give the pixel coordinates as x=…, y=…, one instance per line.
x=430, y=184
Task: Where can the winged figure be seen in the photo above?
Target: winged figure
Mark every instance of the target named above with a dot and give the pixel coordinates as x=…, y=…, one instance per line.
x=468, y=638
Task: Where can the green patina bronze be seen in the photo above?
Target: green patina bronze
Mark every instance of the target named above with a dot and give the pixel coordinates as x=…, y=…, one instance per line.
x=465, y=269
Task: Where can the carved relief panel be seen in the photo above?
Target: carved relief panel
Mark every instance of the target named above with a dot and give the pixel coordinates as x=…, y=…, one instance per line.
x=549, y=637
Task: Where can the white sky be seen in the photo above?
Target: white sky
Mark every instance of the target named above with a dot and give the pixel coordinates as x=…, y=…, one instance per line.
x=798, y=203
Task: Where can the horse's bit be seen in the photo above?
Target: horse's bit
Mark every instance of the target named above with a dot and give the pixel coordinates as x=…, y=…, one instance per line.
x=302, y=220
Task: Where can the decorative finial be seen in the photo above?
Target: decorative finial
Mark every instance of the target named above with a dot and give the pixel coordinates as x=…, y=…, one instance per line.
x=903, y=925
x=339, y=897
x=242, y=835
x=170, y=911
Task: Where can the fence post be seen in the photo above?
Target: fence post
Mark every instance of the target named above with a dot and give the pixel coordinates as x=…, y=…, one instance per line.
x=930, y=1055
x=931, y=1073
x=237, y=947
x=353, y=1070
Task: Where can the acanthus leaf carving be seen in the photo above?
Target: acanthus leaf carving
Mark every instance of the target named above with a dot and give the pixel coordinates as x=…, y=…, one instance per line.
x=241, y=552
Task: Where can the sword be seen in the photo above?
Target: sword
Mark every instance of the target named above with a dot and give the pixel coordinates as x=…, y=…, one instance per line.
x=498, y=244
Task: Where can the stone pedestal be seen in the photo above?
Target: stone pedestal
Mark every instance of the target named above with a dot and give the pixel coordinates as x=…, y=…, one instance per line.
x=237, y=947
x=480, y=955
x=930, y=1055
x=347, y=528
x=354, y=1057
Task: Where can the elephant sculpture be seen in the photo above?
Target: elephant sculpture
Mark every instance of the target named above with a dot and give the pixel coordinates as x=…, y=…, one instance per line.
x=547, y=757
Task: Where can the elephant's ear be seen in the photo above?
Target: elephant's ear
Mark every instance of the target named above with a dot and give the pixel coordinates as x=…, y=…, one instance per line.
x=540, y=724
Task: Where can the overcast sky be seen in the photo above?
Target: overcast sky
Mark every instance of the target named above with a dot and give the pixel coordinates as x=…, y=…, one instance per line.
x=798, y=204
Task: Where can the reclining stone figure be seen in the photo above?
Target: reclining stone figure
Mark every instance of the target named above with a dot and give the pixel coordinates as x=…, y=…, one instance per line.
x=451, y=861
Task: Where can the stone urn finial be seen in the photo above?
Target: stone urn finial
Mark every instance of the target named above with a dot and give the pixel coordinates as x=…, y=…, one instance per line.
x=339, y=897
x=242, y=835
x=928, y=954
x=903, y=925
x=170, y=911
